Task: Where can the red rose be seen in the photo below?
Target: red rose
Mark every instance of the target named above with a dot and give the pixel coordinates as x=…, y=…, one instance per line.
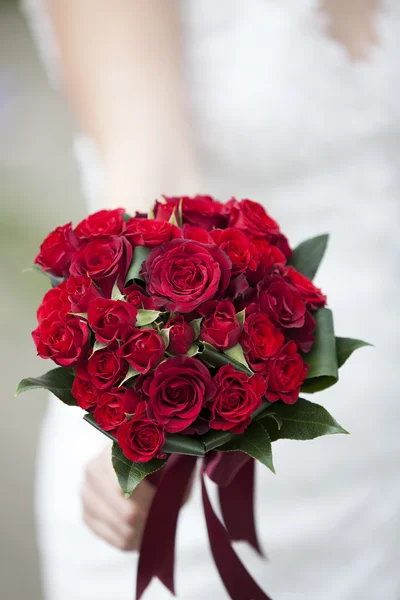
x=101, y=223
x=287, y=372
x=105, y=260
x=63, y=340
x=112, y=406
x=106, y=368
x=177, y=392
x=303, y=336
x=202, y=211
x=238, y=247
x=135, y=295
x=260, y=340
x=56, y=299
x=252, y=218
x=281, y=301
x=140, y=439
x=281, y=242
x=109, y=318
x=181, y=335
x=191, y=232
x=221, y=327
x=182, y=274
x=142, y=348
x=81, y=291
x=311, y=295
x=233, y=399
x=151, y=233
x=57, y=251
x=83, y=389
x=269, y=254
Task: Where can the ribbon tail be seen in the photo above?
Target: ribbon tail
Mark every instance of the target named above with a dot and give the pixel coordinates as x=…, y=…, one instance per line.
x=157, y=552
x=237, y=498
x=238, y=582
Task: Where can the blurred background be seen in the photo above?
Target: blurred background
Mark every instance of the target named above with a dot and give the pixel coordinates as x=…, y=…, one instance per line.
x=36, y=165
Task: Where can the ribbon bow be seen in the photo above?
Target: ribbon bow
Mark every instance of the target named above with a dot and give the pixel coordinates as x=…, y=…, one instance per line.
x=233, y=472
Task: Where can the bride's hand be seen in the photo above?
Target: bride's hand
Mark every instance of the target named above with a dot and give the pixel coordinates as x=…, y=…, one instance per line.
x=117, y=520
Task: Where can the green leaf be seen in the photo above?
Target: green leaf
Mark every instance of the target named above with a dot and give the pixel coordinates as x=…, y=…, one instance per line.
x=173, y=219
x=129, y=473
x=145, y=317
x=345, y=348
x=211, y=356
x=193, y=350
x=131, y=373
x=241, y=317
x=196, y=324
x=236, y=354
x=215, y=438
x=180, y=213
x=116, y=294
x=55, y=281
x=255, y=442
x=90, y=419
x=164, y=333
x=303, y=420
x=126, y=217
x=151, y=213
x=140, y=254
x=307, y=256
x=275, y=417
x=81, y=315
x=58, y=381
x=322, y=361
x=176, y=443
x=98, y=346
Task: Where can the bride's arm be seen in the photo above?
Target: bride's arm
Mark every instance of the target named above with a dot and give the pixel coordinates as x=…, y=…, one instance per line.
x=121, y=64
x=121, y=67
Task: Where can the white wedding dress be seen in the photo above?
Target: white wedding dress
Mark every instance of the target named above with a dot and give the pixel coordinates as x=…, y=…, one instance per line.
x=281, y=115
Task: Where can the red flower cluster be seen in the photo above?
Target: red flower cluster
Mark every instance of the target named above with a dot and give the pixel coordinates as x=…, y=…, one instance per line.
x=211, y=274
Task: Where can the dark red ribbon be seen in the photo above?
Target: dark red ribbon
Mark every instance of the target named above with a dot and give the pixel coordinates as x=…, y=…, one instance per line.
x=234, y=475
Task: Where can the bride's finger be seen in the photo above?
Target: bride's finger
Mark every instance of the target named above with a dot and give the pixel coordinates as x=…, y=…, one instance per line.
x=104, y=531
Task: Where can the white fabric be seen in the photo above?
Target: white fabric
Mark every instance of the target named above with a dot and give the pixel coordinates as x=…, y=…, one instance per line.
x=281, y=115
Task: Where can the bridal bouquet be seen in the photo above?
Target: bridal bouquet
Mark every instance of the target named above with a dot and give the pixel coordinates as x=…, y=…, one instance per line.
x=189, y=333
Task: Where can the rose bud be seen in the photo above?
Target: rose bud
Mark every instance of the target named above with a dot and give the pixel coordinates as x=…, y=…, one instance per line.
x=191, y=232
x=181, y=274
x=110, y=318
x=83, y=390
x=81, y=291
x=102, y=223
x=281, y=301
x=181, y=335
x=201, y=211
x=135, y=295
x=260, y=340
x=287, y=372
x=112, y=406
x=142, y=348
x=64, y=340
x=56, y=299
x=238, y=247
x=221, y=327
x=139, y=438
x=178, y=392
x=57, y=251
x=151, y=233
x=106, y=368
x=303, y=336
x=251, y=218
x=105, y=260
x=311, y=295
x=234, y=396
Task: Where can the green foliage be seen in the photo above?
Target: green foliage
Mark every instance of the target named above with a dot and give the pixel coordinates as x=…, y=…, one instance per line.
x=140, y=254
x=57, y=381
x=129, y=473
x=308, y=255
x=255, y=442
